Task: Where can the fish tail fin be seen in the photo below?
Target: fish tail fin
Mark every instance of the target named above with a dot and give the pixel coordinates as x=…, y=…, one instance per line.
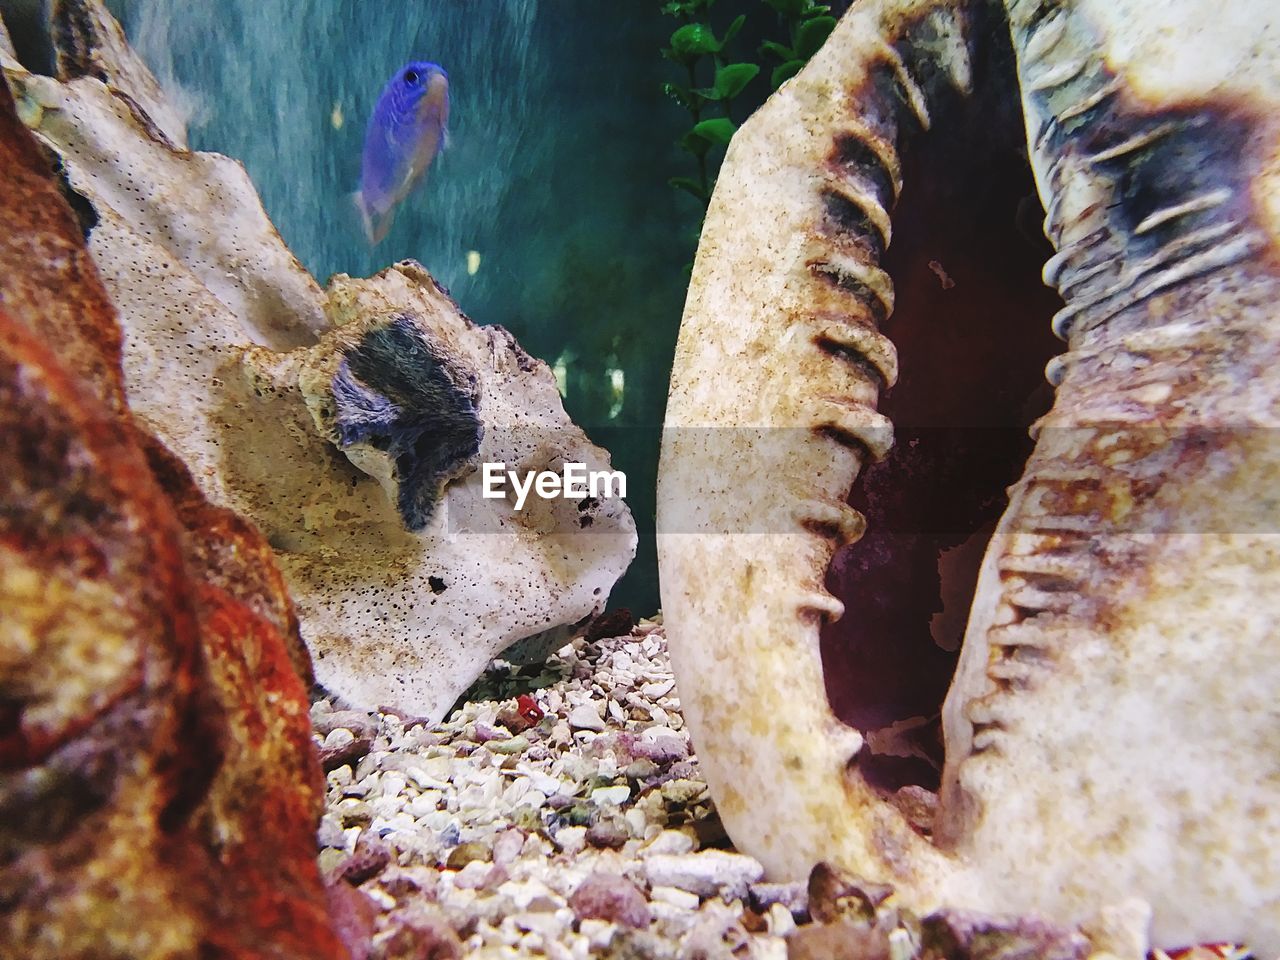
x=375, y=225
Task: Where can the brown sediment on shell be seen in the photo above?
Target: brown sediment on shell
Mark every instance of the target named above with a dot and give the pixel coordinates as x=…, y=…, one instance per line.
x=1124, y=596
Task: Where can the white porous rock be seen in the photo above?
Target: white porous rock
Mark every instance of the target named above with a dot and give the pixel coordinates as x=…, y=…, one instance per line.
x=407, y=580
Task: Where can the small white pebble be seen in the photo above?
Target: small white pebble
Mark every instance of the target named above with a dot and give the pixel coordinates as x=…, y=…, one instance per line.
x=338, y=737
x=473, y=875
x=383, y=899
x=392, y=784
x=768, y=948
x=549, y=925
x=585, y=717
x=614, y=795
x=669, y=841
x=532, y=896
x=705, y=873
x=425, y=803
x=637, y=820
x=599, y=933
x=655, y=690
x=900, y=947
x=572, y=839
x=780, y=921
x=675, y=897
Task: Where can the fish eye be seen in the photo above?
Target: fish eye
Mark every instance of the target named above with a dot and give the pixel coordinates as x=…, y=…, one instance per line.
x=411, y=77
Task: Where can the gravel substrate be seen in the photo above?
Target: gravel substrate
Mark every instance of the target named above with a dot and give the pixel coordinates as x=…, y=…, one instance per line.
x=560, y=813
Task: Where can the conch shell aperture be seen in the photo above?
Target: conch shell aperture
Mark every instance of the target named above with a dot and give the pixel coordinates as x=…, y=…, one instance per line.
x=1110, y=729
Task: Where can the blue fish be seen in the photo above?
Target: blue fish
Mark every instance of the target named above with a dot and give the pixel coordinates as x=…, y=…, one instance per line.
x=409, y=127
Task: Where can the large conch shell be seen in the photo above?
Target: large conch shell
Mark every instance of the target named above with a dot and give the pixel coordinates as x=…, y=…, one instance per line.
x=1112, y=729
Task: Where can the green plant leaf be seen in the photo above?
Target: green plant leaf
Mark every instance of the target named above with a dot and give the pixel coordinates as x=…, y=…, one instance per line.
x=734, y=27
x=689, y=185
x=812, y=35
x=693, y=40
x=777, y=50
x=695, y=144
x=681, y=95
x=716, y=130
x=673, y=9
x=732, y=77
x=784, y=72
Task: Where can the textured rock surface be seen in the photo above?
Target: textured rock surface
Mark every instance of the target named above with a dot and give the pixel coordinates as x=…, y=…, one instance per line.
x=407, y=581
x=157, y=788
x=88, y=42
x=1110, y=732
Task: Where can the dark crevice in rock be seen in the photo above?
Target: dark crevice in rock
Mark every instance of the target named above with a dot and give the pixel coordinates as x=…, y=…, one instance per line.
x=27, y=22
x=971, y=325
x=399, y=393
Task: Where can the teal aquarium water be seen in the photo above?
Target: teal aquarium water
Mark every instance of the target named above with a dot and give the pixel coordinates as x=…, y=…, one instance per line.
x=548, y=212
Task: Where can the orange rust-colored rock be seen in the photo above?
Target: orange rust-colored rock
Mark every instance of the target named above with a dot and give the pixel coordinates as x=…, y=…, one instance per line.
x=228, y=552
x=47, y=278
x=159, y=792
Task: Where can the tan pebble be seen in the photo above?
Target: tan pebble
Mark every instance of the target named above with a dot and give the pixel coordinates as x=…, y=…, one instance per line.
x=682, y=791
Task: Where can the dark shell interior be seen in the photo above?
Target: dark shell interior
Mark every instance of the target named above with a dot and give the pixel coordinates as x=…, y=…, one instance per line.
x=971, y=325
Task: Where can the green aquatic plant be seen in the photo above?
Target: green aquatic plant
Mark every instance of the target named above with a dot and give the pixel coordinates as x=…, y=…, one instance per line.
x=719, y=75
